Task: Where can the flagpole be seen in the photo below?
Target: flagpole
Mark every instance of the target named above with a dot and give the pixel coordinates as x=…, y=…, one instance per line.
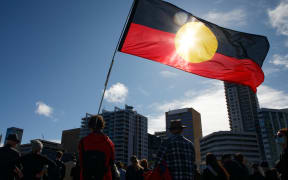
x=112, y=61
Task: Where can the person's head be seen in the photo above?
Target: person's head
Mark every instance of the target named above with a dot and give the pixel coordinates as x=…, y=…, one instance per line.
x=119, y=165
x=37, y=146
x=226, y=157
x=144, y=163
x=211, y=159
x=176, y=126
x=133, y=160
x=282, y=137
x=59, y=154
x=96, y=123
x=12, y=140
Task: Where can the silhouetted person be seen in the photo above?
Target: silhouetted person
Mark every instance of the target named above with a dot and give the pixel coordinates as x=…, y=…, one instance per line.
x=144, y=164
x=135, y=170
x=282, y=165
x=60, y=165
x=178, y=152
x=243, y=170
x=75, y=171
x=35, y=165
x=231, y=166
x=257, y=173
x=214, y=170
x=96, y=152
x=9, y=159
x=272, y=174
x=121, y=170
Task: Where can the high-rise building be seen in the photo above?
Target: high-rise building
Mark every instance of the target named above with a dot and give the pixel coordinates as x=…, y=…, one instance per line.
x=161, y=134
x=242, y=105
x=0, y=139
x=271, y=120
x=70, y=140
x=192, y=119
x=228, y=142
x=128, y=131
x=154, y=143
x=14, y=130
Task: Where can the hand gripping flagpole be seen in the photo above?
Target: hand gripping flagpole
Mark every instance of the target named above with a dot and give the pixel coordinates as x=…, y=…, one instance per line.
x=112, y=62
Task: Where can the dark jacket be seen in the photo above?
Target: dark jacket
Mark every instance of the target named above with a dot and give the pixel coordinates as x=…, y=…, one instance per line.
x=33, y=164
x=256, y=176
x=133, y=174
x=282, y=165
x=216, y=175
x=61, y=168
x=9, y=160
x=233, y=169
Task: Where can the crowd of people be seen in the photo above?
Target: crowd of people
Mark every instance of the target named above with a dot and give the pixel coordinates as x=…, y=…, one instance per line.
x=96, y=161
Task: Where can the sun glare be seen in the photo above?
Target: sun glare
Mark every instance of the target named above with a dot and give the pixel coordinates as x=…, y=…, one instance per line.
x=195, y=42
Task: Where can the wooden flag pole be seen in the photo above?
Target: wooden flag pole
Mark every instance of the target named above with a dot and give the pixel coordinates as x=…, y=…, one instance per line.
x=112, y=61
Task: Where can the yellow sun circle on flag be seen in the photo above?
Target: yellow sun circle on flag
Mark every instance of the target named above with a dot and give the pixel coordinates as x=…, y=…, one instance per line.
x=195, y=42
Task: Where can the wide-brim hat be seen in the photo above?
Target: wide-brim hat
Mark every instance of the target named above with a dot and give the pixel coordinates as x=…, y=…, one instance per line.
x=176, y=124
x=13, y=137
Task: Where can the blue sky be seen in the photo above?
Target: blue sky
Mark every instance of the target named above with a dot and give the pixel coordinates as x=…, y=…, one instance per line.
x=54, y=57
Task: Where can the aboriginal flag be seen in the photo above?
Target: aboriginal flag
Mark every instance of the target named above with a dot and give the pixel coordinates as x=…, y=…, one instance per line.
x=162, y=32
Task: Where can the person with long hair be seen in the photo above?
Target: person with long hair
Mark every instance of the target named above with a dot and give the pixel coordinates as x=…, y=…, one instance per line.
x=135, y=170
x=214, y=170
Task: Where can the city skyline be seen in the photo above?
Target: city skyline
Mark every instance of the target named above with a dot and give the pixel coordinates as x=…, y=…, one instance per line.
x=55, y=57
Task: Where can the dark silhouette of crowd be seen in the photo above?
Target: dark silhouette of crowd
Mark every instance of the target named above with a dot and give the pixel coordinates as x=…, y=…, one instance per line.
x=96, y=161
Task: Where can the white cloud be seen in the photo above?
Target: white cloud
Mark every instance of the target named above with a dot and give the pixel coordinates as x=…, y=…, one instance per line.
x=43, y=109
x=168, y=74
x=210, y=104
x=117, y=93
x=236, y=17
x=278, y=18
x=280, y=60
x=272, y=98
x=156, y=123
x=270, y=70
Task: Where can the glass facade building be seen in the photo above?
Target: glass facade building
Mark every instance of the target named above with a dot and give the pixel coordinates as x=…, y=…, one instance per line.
x=271, y=120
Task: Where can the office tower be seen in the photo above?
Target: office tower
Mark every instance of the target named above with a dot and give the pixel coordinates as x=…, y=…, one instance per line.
x=161, y=134
x=242, y=105
x=14, y=130
x=128, y=131
x=228, y=142
x=154, y=143
x=271, y=120
x=70, y=140
x=192, y=119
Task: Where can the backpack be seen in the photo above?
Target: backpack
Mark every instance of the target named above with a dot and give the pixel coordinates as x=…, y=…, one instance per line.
x=93, y=164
